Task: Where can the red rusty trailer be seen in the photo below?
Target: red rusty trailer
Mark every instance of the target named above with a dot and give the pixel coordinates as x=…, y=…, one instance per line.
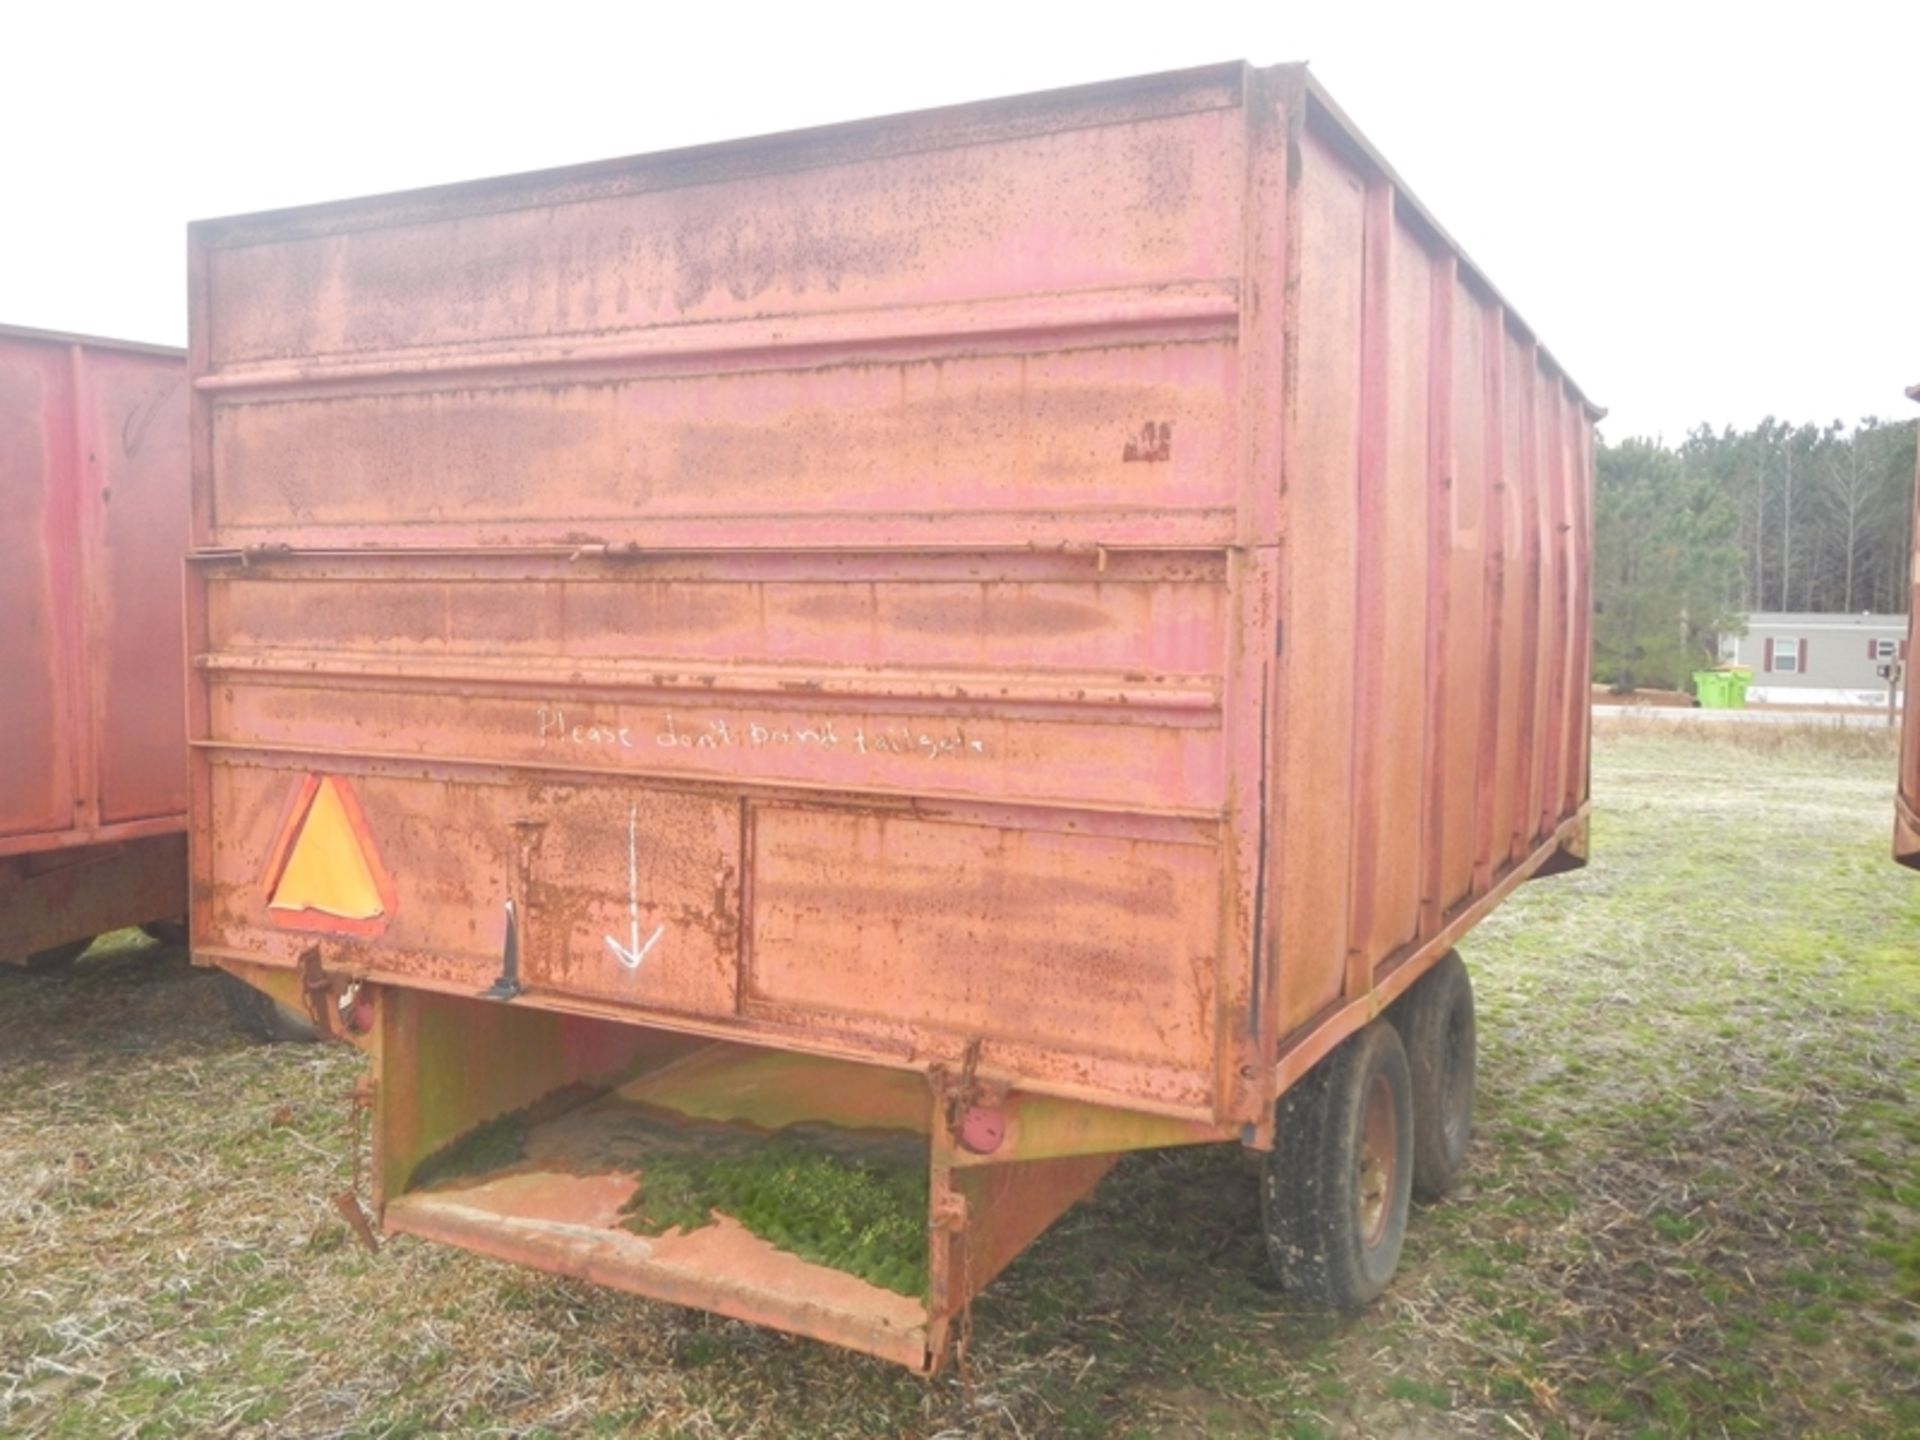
x=1906, y=804
x=93, y=773
x=999, y=637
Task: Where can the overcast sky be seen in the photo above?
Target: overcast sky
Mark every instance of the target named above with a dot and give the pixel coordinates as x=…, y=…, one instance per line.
x=1706, y=214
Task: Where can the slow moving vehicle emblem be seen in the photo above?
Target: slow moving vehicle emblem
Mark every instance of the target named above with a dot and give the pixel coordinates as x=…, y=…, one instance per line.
x=325, y=873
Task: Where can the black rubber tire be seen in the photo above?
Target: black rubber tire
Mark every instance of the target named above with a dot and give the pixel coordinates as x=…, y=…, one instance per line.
x=1436, y=1022
x=56, y=958
x=167, y=932
x=1312, y=1192
x=262, y=1017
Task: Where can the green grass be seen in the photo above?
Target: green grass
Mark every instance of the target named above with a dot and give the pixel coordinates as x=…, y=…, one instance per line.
x=482, y=1150
x=1689, y=1208
x=864, y=1216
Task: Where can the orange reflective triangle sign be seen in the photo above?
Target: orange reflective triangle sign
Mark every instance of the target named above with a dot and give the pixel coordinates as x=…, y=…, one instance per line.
x=328, y=876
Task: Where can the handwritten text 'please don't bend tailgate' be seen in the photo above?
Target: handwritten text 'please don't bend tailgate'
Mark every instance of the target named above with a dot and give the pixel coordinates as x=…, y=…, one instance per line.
x=559, y=726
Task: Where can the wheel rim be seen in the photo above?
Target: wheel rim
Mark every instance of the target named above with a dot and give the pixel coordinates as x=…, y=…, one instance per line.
x=1455, y=1079
x=1379, y=1159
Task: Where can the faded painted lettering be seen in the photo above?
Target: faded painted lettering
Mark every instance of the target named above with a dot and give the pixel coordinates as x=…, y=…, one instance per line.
x=554, y=725
x=948, y=742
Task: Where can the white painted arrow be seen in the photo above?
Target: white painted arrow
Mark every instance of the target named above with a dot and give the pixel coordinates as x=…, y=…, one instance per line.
x=633, y=952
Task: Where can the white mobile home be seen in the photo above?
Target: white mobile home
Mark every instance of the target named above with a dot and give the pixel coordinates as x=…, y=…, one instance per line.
x=1809, y=659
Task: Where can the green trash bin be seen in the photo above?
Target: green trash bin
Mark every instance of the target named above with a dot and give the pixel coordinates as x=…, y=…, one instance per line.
x=1722, y=689
x=1739, y=677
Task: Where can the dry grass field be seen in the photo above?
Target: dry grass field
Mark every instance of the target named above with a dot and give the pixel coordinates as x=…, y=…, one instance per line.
x=1690, y=1208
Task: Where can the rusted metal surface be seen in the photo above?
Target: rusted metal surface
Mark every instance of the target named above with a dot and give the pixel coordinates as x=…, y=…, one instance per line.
x=560, y=1201
x=1906, y=822
x=51, y=897
x=1092, y=654
x=94, y=475
x=722, y=1268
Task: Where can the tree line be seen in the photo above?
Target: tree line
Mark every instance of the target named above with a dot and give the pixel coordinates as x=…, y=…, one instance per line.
x=1690, y=539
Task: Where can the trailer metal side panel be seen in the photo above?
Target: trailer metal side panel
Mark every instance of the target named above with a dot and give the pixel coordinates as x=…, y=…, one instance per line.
x=94, y=477
x=93, y=444
x=1093, y=582
x=1436, y=507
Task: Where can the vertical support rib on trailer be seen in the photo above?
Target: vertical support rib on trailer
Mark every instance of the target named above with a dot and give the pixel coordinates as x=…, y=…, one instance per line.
x=1486, y=821
x=200, y=803
x=83, y=608
x=1554, y=597
x=1275, y=413
x=1580, y=702
x=1440, y=511
x=1369, y=599
x=67, y=577
x=1251, y=711
x=1520, y=817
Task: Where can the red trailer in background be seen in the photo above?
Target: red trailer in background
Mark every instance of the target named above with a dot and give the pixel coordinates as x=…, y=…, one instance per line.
x=93, y=752
x=1906, y=814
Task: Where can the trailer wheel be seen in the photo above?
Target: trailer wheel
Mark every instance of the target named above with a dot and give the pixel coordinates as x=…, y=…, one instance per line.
x=1338, y=1183
x=1436, y=1021
x=57, y=957
x=262, y=1017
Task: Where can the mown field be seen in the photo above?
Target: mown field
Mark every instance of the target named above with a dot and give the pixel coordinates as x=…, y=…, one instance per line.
x=1690, y=1209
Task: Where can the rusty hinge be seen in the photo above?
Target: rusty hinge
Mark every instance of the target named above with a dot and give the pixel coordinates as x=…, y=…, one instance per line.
x=957, y=1094
x=316, y=990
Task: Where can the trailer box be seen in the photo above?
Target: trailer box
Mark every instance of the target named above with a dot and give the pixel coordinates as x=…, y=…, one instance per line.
x=875, y=669
x=93, y=752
